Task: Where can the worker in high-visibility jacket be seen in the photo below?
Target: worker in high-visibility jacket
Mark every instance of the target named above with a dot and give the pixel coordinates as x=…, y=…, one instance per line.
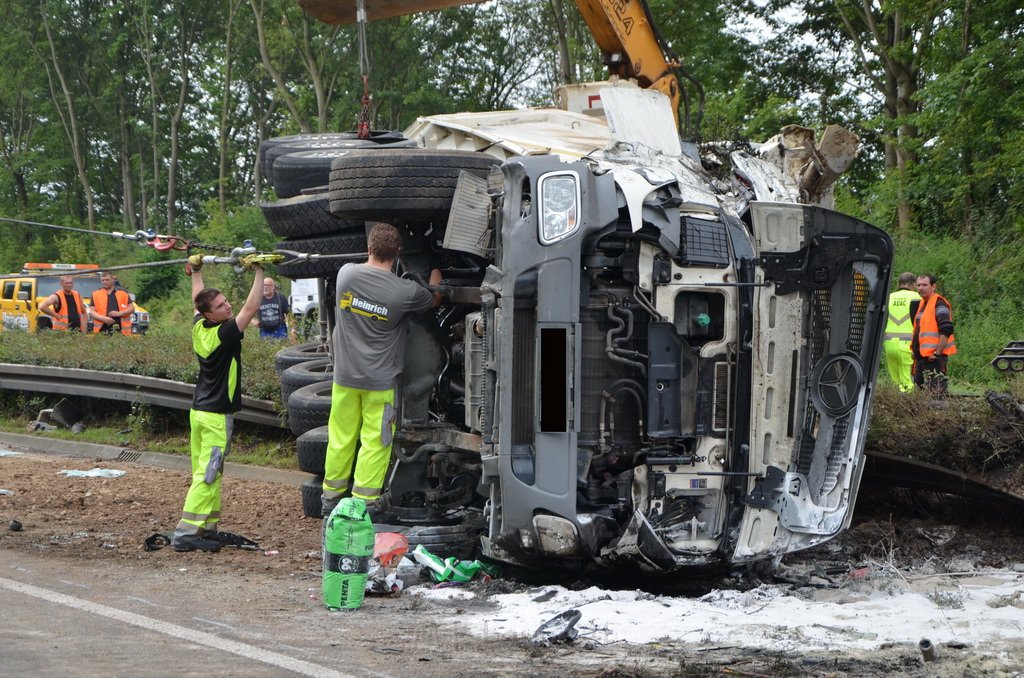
x=217, y=342
x=112, y=308
x=933, y=340
x=373, y=307
x=66, y=307
x=899, y=332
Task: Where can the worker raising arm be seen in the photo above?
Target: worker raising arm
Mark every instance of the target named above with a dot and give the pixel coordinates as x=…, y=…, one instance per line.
x=217, y=342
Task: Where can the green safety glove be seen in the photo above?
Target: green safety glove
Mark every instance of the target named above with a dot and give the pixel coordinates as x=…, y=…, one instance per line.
x=195, y=261
x=251, y=261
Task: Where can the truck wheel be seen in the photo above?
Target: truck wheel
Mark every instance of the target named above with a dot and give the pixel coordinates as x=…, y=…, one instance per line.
x=299, y=353
x=273, y=148
x=295, y=171
x=312, y=490
x=302, y=374
x=461, y=541
x=342, y=243
x=400, y=184
x=311, y=450
x=309, y=407
x=303, y=216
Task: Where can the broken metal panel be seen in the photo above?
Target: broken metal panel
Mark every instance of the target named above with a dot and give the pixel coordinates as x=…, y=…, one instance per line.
x=514, y=133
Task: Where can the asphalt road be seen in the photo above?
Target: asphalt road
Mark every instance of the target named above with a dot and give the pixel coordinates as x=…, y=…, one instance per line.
x=71, y=618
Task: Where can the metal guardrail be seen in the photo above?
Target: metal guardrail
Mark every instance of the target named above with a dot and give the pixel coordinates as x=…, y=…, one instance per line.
x=131, y=388
x=1011, y=358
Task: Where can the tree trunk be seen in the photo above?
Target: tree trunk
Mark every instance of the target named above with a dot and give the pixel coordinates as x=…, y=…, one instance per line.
x=566, y=67
x=128, y=214
x=275, y=74
x=149, y=199
x=225, y=108
x=184, y=75
x=65, y=106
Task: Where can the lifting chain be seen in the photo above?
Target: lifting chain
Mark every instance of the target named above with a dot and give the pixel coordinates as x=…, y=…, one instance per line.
x=363, y=125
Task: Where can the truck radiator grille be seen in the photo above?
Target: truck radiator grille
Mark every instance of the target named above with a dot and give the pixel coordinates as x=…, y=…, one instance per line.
x=836, y=455
x=858, y=312
x=720, y=408
x=821, y=322
x=524, y=353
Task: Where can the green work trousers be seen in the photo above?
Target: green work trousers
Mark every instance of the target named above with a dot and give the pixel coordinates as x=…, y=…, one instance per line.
x=366, y=417
x=210, y=440
x=899, y=362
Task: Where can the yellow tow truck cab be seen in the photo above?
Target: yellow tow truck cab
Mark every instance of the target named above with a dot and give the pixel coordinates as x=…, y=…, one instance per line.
x=20, y=296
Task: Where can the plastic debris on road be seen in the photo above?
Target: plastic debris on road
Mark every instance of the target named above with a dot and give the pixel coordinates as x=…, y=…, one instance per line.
x=558, y=629
x=451, y=569
x=10, y=453
x=92, y=473
x=389, y=549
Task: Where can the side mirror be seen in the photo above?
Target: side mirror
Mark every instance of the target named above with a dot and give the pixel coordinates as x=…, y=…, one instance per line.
x=23, y=296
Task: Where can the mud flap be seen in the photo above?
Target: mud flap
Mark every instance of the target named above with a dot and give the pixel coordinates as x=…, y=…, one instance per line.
x=640, y=541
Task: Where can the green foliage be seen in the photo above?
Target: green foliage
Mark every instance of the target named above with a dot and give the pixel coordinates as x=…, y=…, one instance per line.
x=165, y=353
x=965, y=433
x=982, y=282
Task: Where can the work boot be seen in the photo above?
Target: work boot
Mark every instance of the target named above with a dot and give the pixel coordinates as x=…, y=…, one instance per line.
x=230, y=539
x=193, y=542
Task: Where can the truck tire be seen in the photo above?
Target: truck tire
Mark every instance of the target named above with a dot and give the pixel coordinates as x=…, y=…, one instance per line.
x=295, y=171
x=305, y=215
x=340, y=243
x=299, y=353
x=312, y=490
x=400, y=184
x=460, y=541
x=311, y=450
x=274, y=148
x=302, y=374
x=270, y=149
x=309, y=407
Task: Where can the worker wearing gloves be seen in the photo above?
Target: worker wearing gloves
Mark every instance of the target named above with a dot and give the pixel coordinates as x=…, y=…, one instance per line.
x=373, y=305
x=217, y=342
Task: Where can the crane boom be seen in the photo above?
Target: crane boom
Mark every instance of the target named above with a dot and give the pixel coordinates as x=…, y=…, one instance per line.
x=622, y=29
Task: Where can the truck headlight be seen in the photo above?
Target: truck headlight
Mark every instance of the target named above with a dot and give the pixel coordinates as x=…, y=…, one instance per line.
x=559, y=206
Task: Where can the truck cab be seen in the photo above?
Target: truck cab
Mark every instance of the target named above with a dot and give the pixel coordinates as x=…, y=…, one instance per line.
x=640, y=363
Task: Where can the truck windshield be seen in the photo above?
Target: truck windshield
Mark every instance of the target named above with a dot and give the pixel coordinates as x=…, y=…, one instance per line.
x=84, y=284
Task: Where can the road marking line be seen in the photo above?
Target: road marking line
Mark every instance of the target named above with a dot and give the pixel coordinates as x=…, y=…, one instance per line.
x=199, y=637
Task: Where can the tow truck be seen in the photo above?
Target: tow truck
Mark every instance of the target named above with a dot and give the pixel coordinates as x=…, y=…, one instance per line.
x=20, y=296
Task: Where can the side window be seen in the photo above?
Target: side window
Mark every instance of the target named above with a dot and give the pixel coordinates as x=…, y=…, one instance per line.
x=8, y=289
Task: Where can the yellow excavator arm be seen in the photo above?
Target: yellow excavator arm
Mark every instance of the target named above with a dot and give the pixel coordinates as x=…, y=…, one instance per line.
x=622, y=29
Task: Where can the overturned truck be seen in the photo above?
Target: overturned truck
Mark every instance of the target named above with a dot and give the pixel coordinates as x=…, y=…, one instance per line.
x=640, y=360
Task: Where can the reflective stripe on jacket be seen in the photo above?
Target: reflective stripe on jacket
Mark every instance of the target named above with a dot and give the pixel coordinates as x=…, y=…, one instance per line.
x=99, y=303
x=60, y=320
x=900, y=325
x=927, y=328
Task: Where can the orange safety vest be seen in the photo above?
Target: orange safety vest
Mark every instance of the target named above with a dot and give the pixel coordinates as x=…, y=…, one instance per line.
x=60, y=321
x=927, y=328
x=99, y=302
